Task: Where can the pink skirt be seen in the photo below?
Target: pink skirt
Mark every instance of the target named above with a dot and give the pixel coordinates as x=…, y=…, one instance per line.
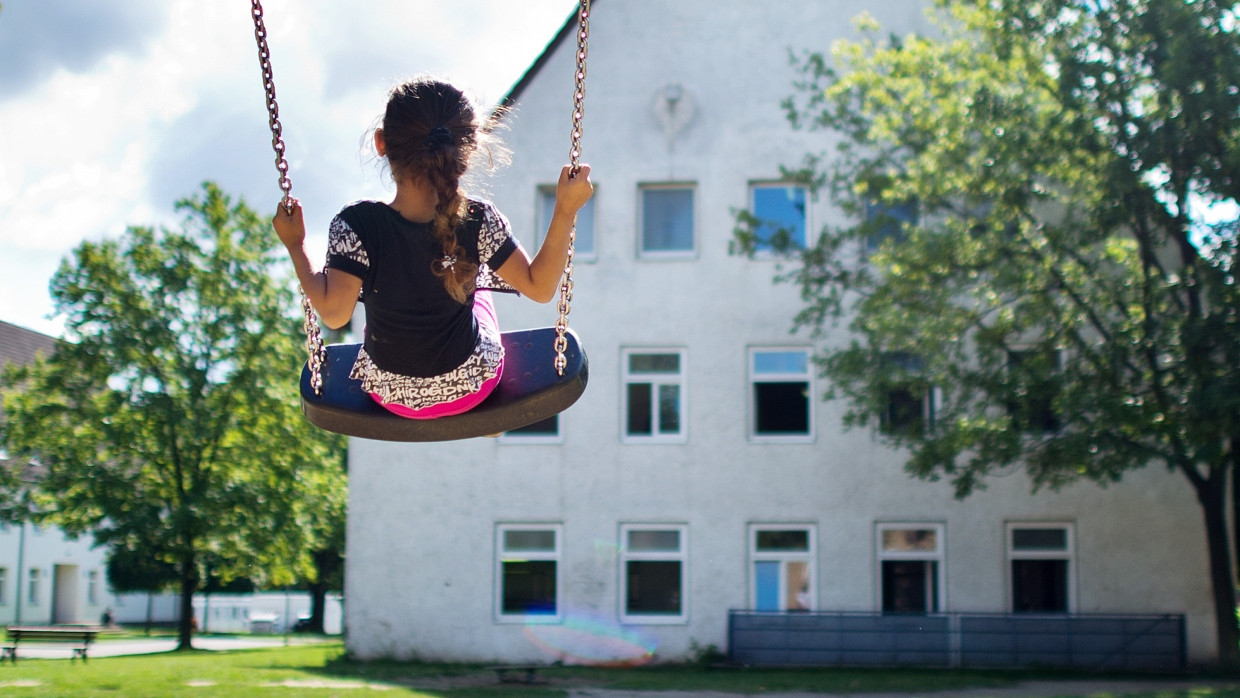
x=488, y=323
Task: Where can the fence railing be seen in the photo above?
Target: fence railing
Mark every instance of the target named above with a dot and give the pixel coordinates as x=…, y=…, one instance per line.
x=1151, y=643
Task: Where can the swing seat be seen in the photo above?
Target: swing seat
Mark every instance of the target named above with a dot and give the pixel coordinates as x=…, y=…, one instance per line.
x=529, y=391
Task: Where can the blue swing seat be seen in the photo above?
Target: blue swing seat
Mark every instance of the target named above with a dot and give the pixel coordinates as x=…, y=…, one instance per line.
x=530, y=391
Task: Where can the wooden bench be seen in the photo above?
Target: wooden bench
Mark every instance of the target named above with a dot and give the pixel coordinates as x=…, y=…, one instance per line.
x=517, y=673
x=80, y=635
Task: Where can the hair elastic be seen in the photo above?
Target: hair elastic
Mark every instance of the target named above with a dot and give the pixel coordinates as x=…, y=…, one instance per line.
x=440, y=135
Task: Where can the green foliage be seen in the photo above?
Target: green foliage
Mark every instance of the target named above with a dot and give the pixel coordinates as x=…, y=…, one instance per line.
x=1060, y=284
x=167, y=423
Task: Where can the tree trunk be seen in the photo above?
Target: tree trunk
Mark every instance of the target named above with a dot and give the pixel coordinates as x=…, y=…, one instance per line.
x=1212, y=492
x=318, y=606
x=189, y=585
x=326, y=563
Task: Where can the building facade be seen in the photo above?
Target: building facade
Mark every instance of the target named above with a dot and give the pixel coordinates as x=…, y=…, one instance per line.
x=702, y=472
x=46, y=577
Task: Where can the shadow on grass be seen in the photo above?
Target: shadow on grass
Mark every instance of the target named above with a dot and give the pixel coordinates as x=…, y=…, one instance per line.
x=458, y=680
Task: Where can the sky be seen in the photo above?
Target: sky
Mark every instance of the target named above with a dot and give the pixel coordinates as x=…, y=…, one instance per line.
x=110, y=112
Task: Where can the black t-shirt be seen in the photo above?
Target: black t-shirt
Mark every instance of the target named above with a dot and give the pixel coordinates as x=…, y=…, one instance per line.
x=413, y=327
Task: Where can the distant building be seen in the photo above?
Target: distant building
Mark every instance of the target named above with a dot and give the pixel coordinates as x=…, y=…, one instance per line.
x=701, y=479
x=45, y=576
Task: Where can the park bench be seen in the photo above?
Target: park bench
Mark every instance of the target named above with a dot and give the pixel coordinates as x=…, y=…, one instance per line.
x=518, y=673
x=80, y=635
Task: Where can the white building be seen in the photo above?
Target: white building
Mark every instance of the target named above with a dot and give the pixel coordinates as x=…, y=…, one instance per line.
x=701, y=473
x=45, y=576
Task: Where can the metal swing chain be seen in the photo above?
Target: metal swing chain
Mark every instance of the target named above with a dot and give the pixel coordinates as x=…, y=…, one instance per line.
x=579, y=97
x=310, y=324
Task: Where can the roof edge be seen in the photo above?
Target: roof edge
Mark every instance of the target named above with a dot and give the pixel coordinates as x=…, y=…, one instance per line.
x=566, y=30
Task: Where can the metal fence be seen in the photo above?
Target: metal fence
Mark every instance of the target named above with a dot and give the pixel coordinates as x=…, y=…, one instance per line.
x=1151, y=643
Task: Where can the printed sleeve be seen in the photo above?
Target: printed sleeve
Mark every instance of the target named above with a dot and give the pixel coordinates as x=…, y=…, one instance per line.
x=345, y=250
x=495, y=246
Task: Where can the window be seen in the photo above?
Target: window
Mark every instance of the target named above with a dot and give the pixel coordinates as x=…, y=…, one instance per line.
x=780, y=392
x=910, y=567
x=1040, y=558
x=783, y=578
x=1033, y=386
x=654, y=396
x=887, y=222
x=528, y=572
x=545, y=431
x=667, y=221
x=583, y=246
x=779, y=211
x=4, y=586
x=33, y=586
x=909, y=407
x=652, y=563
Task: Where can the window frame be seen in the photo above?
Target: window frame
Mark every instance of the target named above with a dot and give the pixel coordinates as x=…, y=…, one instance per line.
x=626, y=556
x=556, y=555
x=752, y=397
x=628, y=377
x=938, y=556
x=762, y=250
x=541, y=222
x=669, y=255
x=809, y=557
x=1068, y=554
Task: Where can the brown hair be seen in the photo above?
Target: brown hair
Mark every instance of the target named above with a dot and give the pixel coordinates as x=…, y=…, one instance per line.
x=431, y=131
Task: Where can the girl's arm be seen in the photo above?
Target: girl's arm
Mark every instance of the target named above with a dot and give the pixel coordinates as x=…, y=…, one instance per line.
x=332, y=292
x=540, y=279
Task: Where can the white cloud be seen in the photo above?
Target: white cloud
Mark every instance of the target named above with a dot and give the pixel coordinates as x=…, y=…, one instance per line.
x=111, y=111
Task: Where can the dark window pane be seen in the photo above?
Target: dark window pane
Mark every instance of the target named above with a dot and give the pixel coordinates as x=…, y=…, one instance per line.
x=1034, y=389
x=529, y=587
x=547, y=427
x=905, y=412
x=1040, y=539
x=653, y=587
x=640, y=418
x=529, y=541
x=1040, y=586
x=654, y=363
x=910, y=586
x=669, y=409
x=795, y=539
x=781, y=408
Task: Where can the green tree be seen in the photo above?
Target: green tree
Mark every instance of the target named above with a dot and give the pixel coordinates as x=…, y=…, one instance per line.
x=1043, y=203
x=168, y=422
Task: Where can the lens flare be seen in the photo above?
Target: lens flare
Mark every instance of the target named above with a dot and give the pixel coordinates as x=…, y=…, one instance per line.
x=590, y=642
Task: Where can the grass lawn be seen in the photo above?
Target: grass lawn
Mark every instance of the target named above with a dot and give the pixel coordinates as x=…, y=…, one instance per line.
x=322, y=670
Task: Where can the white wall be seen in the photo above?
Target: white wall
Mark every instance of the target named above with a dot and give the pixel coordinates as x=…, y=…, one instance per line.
x=421, y=570
x=71, y=584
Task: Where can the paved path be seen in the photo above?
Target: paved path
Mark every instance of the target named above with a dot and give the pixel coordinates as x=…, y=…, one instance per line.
x=116, y=648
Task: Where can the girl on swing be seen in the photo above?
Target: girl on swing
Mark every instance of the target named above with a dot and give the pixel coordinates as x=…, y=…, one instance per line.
x=425, y=263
